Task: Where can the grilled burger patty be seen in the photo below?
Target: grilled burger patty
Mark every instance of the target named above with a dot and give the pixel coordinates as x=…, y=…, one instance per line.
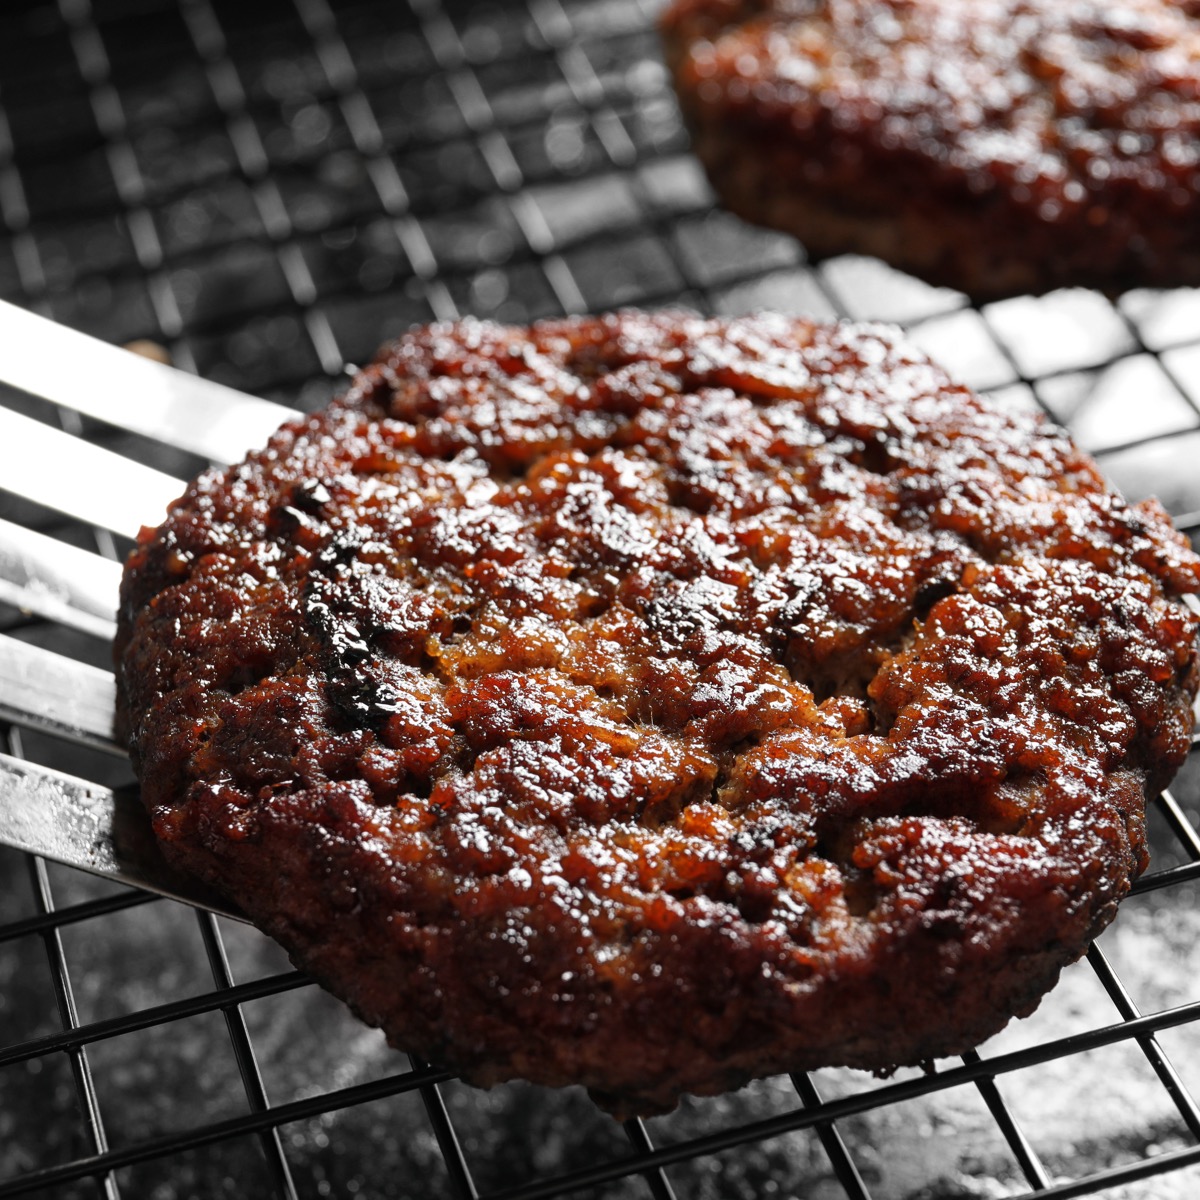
x=997, y=146
x=652, y=702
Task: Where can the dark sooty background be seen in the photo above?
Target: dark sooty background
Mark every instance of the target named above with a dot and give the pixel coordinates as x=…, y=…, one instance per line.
x=269, y=190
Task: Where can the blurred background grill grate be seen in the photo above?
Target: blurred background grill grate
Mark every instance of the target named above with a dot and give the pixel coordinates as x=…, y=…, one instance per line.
x=265, y=192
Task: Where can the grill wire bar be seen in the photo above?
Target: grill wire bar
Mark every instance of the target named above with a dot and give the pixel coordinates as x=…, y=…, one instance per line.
x=80, y=1069
x=281, y=1175
x=267, y=192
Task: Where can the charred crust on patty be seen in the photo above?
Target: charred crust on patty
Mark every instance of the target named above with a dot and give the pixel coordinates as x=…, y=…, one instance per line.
x=653, y=702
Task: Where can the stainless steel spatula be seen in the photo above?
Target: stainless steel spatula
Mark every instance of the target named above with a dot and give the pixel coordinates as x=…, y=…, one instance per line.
x=44, y=811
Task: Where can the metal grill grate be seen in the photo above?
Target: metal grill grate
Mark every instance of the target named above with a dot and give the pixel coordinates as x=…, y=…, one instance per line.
x=267, y=190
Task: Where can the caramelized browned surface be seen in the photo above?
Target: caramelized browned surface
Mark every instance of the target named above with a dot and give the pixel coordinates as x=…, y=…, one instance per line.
x=994, y=145
x=653, y=702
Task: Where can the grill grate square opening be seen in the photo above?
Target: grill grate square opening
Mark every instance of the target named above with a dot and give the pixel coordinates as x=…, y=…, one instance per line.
x=1155, y=949
x=208, y=217
x=564, y=146
x=963, y=344
x=517, y=293
x=792, y=1165
x=1096, y=403
x=930, y=1145
x=701, y=1116
x=74, y=250
x=356, y=258
x=1168, y=850
x=266, y=349
x=174, y=160
x=1162, y=467
x=42, y=1123
x=358, y=321
x=514, y=1133
x=797, y=292
x=1163, y=319
x=1079, y=1126
x=126, y=962
x=1181, y=1047
x=1064, y=331
x=868, y=290
x=226, y=287
x=624, y=271
x=717, y=247
x=27, y=1008
x=189, y=1060
x=16, y=905
x=383, y=1148
x=231, y=1169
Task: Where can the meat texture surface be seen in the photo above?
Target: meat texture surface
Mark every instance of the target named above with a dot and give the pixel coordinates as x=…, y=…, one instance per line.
x=653, y=702
x=996, y=146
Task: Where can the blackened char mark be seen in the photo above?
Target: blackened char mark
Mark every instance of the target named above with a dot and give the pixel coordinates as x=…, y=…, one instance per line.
x=338, y=609
x=371, y=624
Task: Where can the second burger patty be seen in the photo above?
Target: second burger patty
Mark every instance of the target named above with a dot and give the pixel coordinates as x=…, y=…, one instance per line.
x=996, y=146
